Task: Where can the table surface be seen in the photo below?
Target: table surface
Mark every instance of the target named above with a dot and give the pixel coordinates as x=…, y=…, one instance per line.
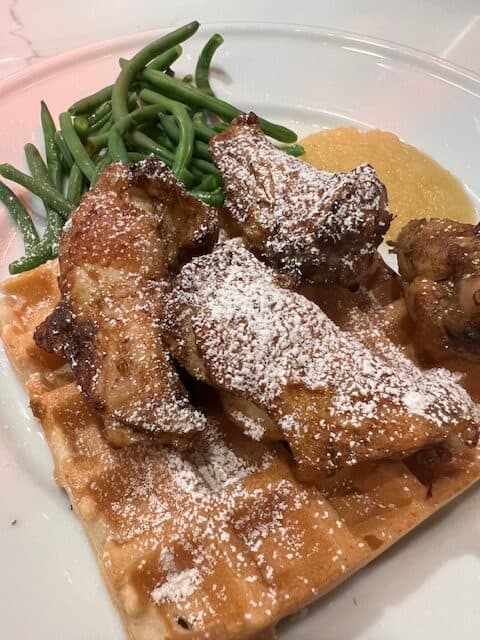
x=31, y=31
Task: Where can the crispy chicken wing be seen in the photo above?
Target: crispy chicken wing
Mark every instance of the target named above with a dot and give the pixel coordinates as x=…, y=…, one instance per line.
x=122, y=242
x=439, y=260
x=287, y=372
x=324, y=227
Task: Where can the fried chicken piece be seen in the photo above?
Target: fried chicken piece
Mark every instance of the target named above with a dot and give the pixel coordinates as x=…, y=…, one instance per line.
x=439, y=260
x=123, y=241
x=320, y=226
x=379, y=286
x=287, y=372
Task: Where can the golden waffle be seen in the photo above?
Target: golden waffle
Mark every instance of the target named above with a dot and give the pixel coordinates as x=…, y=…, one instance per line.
x=224, y=542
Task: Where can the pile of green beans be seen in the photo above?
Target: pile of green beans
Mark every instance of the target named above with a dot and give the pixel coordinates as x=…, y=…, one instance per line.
x=146, y=110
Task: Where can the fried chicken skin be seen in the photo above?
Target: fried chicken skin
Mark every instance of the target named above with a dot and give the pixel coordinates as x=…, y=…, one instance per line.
x=287, y=372
x=320, y=226
x=439, y=261
x=123, y=241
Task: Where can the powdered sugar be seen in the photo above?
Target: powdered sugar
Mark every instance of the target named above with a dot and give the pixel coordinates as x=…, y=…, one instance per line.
x=208, y=518
x=278, y=350
x=115, y=261
x=178, y=586
x=325, y=226
x=415, y=402
x=252, y=428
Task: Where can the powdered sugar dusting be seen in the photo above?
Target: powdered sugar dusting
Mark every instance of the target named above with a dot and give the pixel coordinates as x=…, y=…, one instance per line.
x=208, y=518
x=415, y=402
x=251, y=427
x=115, y=261
x=324, y=226
x=178, y=586
x=274, y=347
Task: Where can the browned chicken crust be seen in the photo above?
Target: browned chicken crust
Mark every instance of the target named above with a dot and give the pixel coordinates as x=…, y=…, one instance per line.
x=324, y=227
x=287, y=372
x=439, y=260
x=124, y=240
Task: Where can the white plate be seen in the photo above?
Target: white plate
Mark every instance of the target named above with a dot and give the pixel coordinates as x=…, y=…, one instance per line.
x=427, y=586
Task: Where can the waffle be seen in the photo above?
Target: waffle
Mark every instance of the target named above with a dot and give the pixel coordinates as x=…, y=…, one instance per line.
x=221, y=542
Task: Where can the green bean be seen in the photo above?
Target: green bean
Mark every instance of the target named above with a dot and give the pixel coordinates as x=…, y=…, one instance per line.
x=46, y=192
x=209, y=183
x=138, y=62
x=164, y=140
x=205, y=167
x=40, y=253
x=293, y=149
x=51, y=151
x=54, y=222
x=169, y=125
x=145, y=143
x=48, y=245
x=75, y=185
x=202, y=70
x=220, y=126
x=45, y=249
x=186, y=135
x=53, y=231
x=99, y=114
x=202, y=130
x=132, y=101
x=212, y=198
x=159, y=136
x=137, y=117
x=162, y=61
x=106, y=126
x=104, y=162
x=197, y=175
x=101, y=125
x=20, y=216
x=65, y=154
x=134, y=156
x=99, y=157
x=88, y=104
x=35, y=163
x=188, y=79
x=98, y=141
x=150, y=128
x=200, y=149
x=80, y=124
x=182, y=92
x=75, y=146
x=186, y=132
x=116, y=146
x=184, y=151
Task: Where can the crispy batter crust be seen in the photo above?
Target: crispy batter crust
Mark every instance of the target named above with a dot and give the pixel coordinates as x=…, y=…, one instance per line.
x=324, y=227
x=287, y=372
x=439, y=260
x=122, y=243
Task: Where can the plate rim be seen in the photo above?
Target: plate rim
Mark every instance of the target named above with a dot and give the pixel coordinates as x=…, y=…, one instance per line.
x=413, y=55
